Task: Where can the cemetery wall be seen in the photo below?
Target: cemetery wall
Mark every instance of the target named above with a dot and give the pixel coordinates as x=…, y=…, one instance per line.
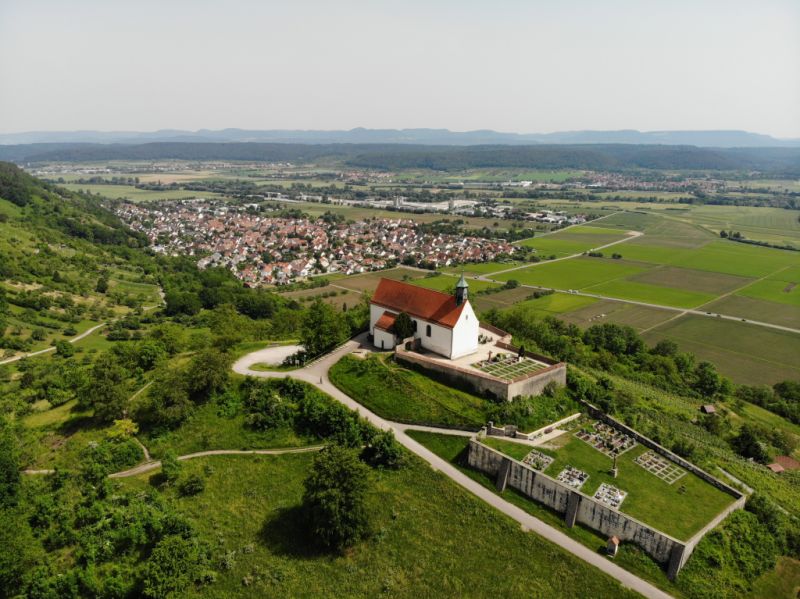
x=576, y=506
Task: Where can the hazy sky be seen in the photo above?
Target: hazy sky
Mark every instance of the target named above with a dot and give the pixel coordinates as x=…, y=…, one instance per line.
x=524, y=66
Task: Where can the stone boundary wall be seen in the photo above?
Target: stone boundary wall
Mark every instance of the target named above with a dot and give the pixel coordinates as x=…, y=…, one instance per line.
x=575, y=506
x=603, y=417
x=539, y=432
x=493, y=329
x=483, y=383
x=578, y=507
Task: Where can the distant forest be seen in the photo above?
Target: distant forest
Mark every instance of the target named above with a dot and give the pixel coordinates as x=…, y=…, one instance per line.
x=779, y=162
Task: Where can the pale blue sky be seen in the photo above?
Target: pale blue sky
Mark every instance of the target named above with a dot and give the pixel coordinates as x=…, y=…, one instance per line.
x=525, y=66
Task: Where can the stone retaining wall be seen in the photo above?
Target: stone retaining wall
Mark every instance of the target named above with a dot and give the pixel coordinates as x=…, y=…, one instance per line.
x=586, y=510
x=486, y=384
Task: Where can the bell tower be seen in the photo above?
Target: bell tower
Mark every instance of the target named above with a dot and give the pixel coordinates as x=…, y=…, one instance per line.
x=462, y=290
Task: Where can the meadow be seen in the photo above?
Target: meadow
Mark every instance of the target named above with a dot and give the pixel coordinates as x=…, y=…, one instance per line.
x=427, y=534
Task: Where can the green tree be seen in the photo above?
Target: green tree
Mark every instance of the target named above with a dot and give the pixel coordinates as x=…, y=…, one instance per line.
x=208, y=373
x=102, y=285
x=170, y=466
x=65, y=349
x=9, y=465
x=335, y=498
x=106, y=390
x=403, y=326
x=748, y=444
x=707, y=382
x=322, y=329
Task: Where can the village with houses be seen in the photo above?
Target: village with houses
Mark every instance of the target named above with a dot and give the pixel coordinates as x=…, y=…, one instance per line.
x=261, y=249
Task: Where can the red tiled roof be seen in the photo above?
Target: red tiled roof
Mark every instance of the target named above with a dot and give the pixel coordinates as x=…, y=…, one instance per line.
x=427, y=304
x=776, y=468
x=386, y=321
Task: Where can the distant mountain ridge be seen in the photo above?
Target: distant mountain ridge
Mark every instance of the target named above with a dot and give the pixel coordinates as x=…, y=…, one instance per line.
x=783, y=162
x=360, y=135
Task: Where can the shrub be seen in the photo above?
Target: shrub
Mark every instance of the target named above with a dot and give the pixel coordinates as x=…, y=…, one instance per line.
x=170, y=467
x=173, y=566
x=192, y=485
x=383, y=451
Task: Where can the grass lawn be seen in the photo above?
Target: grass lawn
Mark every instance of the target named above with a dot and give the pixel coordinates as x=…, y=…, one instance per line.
x=510, y=448
x=129, y=192
x=428, y=534
x=573, y=274
x=404, y=395
x=644, y=250
x=747, y=353
x=369, y=281
x=649, y=499
x=55, y=438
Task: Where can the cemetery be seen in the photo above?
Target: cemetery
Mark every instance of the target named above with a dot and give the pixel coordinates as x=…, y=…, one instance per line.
x=605, y=438
x=615, y=467
x=537, y=460
x=508, y=366
x=606, y=476
x=572, y=477
x=661, y=467
x=610, y=495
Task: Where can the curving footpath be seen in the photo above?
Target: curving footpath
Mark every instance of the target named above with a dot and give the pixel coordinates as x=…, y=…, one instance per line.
x=317, y=375
x=150, y=464
x=153, y=465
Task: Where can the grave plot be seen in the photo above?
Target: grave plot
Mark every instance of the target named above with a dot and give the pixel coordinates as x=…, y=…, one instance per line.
x=573, y=477
x=660, y=466
x=537, y=460
x=605, y=439
x=508, y=366
x=611, y=496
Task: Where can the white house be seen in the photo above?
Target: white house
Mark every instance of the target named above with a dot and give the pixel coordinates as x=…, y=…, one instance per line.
x=443, y=323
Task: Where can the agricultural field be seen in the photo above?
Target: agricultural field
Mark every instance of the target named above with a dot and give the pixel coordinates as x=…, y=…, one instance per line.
x=555, y=304
x=129, y=192
x=640, y=318
x=330, y=294
x=447, y=284
x=576, y=273
x=369, y=281
x=746, y=353
x=574, y=240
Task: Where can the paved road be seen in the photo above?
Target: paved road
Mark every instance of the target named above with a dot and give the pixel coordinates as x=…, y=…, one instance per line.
x=86, y=333
x=317, y=375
